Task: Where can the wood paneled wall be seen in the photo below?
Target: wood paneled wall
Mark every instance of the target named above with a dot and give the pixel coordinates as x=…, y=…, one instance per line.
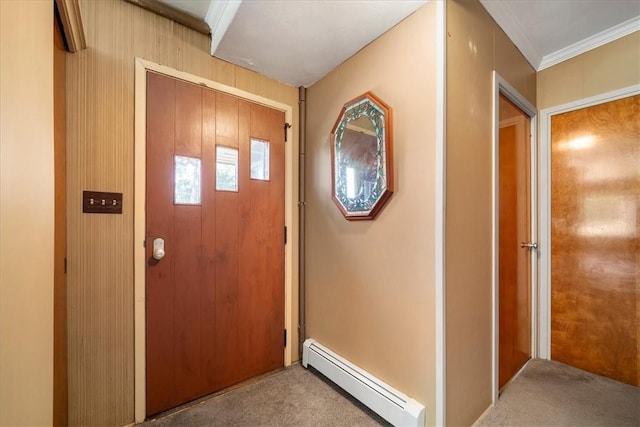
x=100, y=128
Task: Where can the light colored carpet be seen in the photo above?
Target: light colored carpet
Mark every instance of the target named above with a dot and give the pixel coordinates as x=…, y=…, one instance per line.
x=548, y=393
x=293, y=397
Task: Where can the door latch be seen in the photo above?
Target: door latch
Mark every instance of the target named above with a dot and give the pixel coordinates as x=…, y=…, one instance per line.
x=158, y=249
x=529, y=245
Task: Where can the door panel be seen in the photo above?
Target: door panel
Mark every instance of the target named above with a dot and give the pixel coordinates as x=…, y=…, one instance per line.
x=514, y=262
x=160, y=293
x=187, y=245
x=595, y=239
x=215, y=302
x=60, y=375
x=270, y=238
x=226, y=250
x=208, y=297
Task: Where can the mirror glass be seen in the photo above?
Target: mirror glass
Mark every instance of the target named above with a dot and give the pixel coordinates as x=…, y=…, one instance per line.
x=361, y=157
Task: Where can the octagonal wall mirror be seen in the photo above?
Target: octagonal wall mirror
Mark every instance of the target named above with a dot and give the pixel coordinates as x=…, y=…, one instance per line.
x=362, y=157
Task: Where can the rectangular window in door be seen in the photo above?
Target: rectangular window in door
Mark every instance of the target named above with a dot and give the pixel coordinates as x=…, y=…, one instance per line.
x=226, y=168
x=259, y=159
x=187, y=180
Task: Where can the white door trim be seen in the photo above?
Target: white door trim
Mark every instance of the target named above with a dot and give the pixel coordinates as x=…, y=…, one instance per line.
x=500, y=86
x=139, y=226
x=544, y=185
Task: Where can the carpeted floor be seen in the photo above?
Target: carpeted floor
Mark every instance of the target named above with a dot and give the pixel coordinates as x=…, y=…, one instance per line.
x=549, y=393
x=545, y=394
x=292, y=397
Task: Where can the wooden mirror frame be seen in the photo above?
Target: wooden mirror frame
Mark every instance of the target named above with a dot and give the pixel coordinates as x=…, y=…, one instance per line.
x=341, y=123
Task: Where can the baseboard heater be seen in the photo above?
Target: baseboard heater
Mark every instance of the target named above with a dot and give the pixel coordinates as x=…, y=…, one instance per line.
x=389, y=403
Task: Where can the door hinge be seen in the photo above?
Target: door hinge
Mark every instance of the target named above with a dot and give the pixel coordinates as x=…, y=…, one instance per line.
x=286, y=126
x=65, y=265
x=285, y=234
x=285, y=337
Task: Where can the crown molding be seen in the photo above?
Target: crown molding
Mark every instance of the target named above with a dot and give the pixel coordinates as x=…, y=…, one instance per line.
x=502, y=13
x=219, y=17
x=614, y=33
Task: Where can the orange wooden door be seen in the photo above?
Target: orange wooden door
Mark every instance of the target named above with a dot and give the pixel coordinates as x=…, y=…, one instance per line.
x=514, y=262
x=60, y=368
x=215, y=194
x=595, y=239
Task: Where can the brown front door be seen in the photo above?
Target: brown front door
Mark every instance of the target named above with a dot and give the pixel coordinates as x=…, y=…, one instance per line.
x=514, y=222
x=595, y=239
x=215, y=195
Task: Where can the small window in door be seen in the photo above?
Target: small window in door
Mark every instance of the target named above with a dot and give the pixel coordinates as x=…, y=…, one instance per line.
x=259, y=159
x=226, y=168
x=187, y=181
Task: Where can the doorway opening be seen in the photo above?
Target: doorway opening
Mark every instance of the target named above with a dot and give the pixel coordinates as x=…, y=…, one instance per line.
x=514, y=240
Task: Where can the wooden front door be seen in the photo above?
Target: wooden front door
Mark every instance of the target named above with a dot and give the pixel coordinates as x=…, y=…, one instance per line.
x=595, y=239
x=215, y=195
x=514, y=222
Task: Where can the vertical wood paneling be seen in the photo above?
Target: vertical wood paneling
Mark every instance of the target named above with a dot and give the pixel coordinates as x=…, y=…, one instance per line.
x=159, y=298
x=100, y=129
x=274, y=259
x=208, y=300
x=247, y=250
x=226, y=244
x=187, y=242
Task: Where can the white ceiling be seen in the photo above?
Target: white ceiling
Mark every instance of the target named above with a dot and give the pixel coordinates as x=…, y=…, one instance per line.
x=299, y=42
x=548, y=32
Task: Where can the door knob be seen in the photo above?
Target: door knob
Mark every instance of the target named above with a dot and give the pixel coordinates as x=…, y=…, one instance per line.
x=158, y=249
x=529, y=245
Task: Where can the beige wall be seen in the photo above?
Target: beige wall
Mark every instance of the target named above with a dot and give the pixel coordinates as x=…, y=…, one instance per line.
x=370, y=284
x=26, y=213
x=475, y=47
x=100, y=126
x=613, y=66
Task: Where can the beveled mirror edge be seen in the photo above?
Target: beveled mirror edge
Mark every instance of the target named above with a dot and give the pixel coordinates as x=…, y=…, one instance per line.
x=389, y=171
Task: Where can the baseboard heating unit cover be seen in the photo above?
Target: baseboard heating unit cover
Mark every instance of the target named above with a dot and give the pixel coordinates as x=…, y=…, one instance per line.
x=389, y=403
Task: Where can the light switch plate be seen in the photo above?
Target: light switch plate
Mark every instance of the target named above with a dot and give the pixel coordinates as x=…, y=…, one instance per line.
x=101, y=202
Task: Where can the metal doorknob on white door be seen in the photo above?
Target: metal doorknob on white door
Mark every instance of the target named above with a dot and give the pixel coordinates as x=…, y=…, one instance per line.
x=529, y=245
x=158, y=249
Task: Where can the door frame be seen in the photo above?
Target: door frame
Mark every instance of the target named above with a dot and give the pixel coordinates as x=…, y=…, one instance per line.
x=544, y=203
x=500, y=86
x=139, y=226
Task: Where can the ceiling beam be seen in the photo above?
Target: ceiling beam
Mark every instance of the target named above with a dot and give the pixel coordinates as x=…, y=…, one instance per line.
x=72, y=28
x=175, y=15
x=219, y=17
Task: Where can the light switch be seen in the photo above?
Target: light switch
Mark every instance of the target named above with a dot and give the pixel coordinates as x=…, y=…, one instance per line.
x=101, y=202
